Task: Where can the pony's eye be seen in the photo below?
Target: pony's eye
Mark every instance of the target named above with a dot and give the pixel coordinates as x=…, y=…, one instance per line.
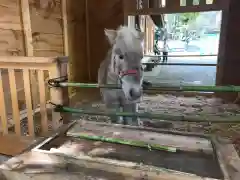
x=120, y=56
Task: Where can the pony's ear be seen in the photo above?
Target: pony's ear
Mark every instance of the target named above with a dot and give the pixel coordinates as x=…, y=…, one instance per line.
x=111, y=35
x=141, y=35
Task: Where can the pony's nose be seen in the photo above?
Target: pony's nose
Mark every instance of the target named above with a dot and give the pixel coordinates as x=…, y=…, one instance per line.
x=134, y=94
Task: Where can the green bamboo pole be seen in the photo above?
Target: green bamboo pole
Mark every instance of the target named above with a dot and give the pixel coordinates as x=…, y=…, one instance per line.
x=164, y=117
x=125, y=142
x=159, y=87
x=181, y=64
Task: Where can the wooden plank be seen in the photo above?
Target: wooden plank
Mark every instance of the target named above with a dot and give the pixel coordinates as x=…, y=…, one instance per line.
x=181, y=9
x=26, y=22
x=121, y=169
x=172, y=3
x=28, y=99
x=13, y=145
x=88, y=42
x=189, y=3
x=65, y=26
x=63, y=65
x=43, y=110
x=25, y=60
x=145, y=4
x=14, y=98
x=4, y=120
x=181, y=142
x=228, y=158
x=56, y=96
x=129, y=5
x=10, y=26
x=28, y=41
x=202, y=2
x=25, y=66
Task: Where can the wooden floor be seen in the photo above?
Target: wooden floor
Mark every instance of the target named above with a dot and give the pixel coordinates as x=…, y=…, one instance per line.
x=12, y=145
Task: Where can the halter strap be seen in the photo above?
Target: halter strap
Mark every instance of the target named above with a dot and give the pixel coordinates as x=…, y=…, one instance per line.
x=129, y=72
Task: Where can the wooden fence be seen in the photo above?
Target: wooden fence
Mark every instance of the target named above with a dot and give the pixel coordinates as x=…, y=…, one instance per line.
x=10, y=111
x=30, y=29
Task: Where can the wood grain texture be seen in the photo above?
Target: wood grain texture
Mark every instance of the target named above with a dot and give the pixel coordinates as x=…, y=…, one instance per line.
x=10, y=15
x=181, y=142
x=14, y=145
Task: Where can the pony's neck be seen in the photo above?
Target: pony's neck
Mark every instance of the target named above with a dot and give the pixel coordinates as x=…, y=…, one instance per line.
x=111, y=77
x=105, y=76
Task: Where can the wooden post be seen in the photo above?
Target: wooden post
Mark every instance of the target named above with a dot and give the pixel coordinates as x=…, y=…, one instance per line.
x=228, y=56
x=27, y=31
x=202, y=2
x=3, y=112
x=172, y=3
x=59, y=95
x=189, y=2
x=145, y=4
x=65, y=27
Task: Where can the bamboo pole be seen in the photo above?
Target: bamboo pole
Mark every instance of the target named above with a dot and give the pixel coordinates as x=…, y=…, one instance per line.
x=159, y=87
x=125, y=142
x=180, y=64
x=164, y=117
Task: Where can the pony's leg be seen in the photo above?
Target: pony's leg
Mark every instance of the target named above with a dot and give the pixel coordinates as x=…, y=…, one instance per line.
x=115, y=119
x=134, y=121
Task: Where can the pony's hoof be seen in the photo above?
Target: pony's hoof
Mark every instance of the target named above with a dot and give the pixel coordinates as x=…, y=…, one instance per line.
x=140, y=123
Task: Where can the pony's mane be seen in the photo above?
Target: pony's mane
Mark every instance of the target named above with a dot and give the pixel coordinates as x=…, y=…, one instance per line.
x=131, y=38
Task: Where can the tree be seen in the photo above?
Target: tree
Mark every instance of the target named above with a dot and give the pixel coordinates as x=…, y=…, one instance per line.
x=186, y=18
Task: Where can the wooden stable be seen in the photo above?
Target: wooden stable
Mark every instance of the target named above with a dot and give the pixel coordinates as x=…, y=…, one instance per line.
x=35, y=37
x=33, y=33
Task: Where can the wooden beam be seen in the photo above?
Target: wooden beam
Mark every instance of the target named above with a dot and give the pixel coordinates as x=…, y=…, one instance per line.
x=27, y=30
x=13, y=145
x=189, y=3
x=88, y=39
x=10, y=26
x=181, y=9
x=172, y=3
x=129, y=5
x=3, y=112
x=65, y=27
x=25, y=60
x=202, y=2
x=14, y=100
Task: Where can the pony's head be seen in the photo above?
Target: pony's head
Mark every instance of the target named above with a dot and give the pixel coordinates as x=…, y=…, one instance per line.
x=127, y=52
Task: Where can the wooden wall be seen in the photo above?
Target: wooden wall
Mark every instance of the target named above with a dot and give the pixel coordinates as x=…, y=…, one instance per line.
x=87, y=42
x=228, y=72
x=46, y=25
x=40, y=35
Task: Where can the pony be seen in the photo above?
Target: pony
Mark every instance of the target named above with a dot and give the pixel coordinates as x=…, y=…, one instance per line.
x=122, y=66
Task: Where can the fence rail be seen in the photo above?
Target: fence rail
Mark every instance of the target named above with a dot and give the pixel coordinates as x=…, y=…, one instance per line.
x=17, y=73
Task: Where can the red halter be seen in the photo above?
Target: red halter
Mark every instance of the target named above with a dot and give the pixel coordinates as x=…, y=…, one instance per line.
x=128, y=72
x=131, y=72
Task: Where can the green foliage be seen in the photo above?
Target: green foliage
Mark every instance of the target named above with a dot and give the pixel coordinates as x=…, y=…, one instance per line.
x=187, y=18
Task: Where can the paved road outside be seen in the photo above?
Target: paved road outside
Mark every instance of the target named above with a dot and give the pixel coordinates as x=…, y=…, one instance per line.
x=188, y=75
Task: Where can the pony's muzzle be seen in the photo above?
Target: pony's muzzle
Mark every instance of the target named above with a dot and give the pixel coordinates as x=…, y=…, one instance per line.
x=135, y=93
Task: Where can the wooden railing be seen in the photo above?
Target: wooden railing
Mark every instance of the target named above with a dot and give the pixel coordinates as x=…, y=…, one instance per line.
x=16, y=71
